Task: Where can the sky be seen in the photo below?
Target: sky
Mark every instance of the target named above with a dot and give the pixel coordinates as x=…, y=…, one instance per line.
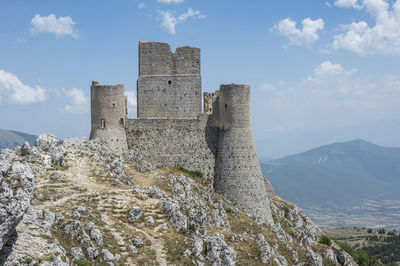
x=320, y=71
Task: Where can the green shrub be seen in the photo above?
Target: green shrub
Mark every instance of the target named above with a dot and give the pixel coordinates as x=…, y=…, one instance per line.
x=325, y=240
x=360, y=256
x=191, y=173
x=82, y=262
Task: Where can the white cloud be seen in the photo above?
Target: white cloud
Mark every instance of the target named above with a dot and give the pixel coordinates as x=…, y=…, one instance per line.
x=12, y=88
x=132, y=101
x=383, y=38
x=61, y=26
x=305, y=36
x=79, y=102
x=141, y=5
x=348, y=4
x=331, y=95
x=169, y=20
x=170, y=1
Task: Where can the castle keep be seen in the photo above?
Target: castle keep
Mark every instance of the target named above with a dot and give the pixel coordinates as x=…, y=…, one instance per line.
x=172, y=131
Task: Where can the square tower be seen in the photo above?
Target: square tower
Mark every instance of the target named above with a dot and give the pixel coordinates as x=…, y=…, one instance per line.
x=169, y=84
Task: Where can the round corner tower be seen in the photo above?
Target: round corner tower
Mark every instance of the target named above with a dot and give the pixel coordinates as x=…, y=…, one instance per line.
x=237, y=171
x=109, y=115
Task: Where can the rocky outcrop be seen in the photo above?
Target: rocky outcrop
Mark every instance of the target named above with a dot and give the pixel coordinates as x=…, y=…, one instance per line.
x=17, y=186
x=93, y=206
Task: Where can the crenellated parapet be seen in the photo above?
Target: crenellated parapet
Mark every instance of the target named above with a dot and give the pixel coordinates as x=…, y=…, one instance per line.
x=169, y=84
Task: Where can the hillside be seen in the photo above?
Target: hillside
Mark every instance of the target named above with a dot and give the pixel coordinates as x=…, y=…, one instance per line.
x=91, y=207
x=11, y=139
x=381, y=245
x=351, y=177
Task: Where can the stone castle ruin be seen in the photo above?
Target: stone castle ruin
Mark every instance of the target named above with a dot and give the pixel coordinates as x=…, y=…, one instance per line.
x=171, y=130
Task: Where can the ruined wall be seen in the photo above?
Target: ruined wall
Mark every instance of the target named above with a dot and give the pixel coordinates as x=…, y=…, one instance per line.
x=209, y=101
x=169, y=84
x=237, y=170
x=109, y=115
x=188, y=143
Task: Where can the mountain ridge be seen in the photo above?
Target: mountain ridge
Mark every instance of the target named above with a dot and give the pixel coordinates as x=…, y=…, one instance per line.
x=350, y=172
x=11, y=138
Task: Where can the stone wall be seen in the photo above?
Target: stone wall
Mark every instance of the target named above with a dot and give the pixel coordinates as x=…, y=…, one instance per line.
x=237, y=172
x=109, y=115
x=169, y=96
x=188, y=143
x=169, y=84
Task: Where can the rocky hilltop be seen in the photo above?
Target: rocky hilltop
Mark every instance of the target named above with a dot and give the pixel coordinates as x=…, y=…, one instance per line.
x=77, y=203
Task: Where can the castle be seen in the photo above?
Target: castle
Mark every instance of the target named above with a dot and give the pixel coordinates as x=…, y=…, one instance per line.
x=172, y=131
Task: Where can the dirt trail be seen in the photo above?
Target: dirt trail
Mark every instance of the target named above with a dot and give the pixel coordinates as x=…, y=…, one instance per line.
x=157, y=245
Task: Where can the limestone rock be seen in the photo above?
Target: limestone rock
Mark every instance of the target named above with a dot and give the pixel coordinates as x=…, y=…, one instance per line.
x=77, y=232
x=149, y=221
x=197, y=246
x=17, y=185
x=47, y=142
x=133, y=249
x=92, y=252
x=30, y=244
x=179, y=221
x=135, y=213
x=96, y=236
x=25, y=149
x=107, y=256
x=57, y=157
x=77, y=253
x=218, y=252
x=137, y=241
x=315, y=258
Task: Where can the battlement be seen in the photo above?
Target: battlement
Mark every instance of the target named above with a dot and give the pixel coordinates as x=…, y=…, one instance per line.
x=96, y=85
x=210, y=101
x=169, y=84
x=156, y=58
x=234, y=106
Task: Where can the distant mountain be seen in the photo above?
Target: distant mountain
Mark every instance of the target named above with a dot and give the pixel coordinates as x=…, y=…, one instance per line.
x=338, y=175
x=11, y=139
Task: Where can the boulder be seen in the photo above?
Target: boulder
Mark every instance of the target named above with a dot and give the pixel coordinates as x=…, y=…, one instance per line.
x=47, y=142
x=17, y=186
x=218, y=252
x=57, y=157
x=135, y=213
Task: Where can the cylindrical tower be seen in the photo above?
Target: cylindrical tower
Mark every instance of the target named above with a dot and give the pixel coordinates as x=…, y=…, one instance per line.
x=109, y=114
x=237, y=171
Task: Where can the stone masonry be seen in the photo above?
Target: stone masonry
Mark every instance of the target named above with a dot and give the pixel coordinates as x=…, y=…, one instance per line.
x=172, y=131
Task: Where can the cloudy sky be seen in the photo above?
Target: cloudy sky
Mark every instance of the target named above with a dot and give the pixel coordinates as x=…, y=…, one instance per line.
x=320, y=71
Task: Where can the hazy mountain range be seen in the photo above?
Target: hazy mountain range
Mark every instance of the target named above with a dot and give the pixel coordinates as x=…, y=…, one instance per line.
x=351, y=177
x=11, y=138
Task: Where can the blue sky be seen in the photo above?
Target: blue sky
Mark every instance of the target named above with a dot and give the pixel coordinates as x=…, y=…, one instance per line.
x=320, y=71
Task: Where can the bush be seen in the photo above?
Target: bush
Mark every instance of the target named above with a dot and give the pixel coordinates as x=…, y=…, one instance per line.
x=369, y=231
x=191, y=173
x=82, y=262
x=360, y=256
x=325, y=240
